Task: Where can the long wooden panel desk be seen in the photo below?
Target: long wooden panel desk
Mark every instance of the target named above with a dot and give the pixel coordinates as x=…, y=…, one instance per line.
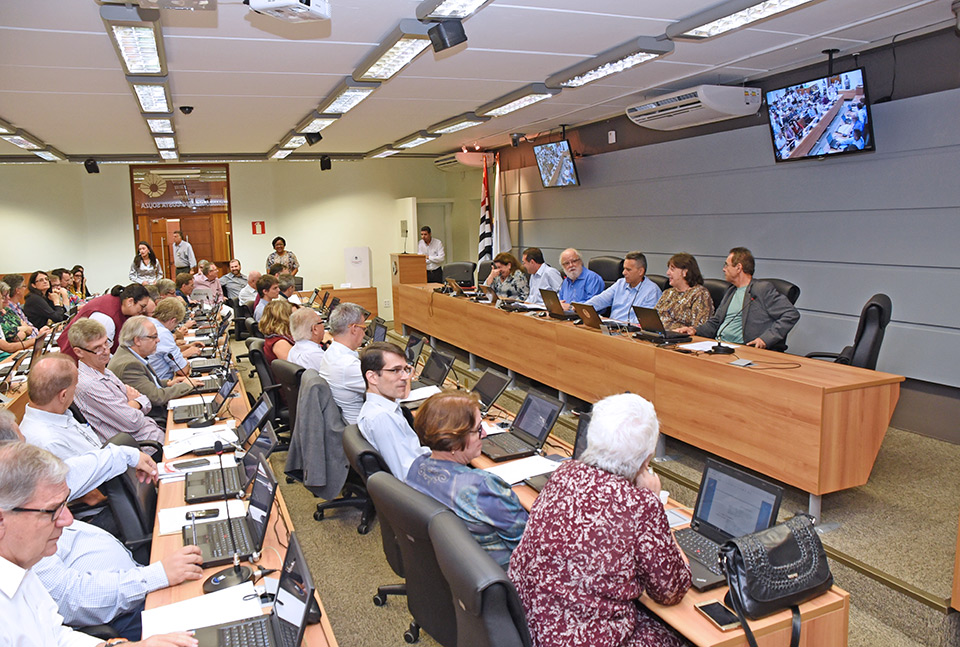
x=279, y=526
x=366, y=298
x=817, y=427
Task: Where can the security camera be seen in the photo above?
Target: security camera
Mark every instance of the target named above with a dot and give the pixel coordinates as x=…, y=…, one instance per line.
x=515, y=139
x=186, y=109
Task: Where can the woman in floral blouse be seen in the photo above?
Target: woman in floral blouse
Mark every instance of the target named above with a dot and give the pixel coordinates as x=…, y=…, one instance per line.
x=282, y=256
x=507, y=278
x=686, y=302
x=598, y=538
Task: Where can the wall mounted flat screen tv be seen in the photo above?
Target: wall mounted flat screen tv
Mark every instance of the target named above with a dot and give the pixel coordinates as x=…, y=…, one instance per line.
x=555, y=162
x=821, y=118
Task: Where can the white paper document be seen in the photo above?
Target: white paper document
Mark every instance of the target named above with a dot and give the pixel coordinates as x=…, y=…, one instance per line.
x=492, y=428
x=169, y=469
x=515, y=471
x=190, y=399
x=198, y=441
x=176, y=435
x=229, y=605
x=705, y=345
x=422, y=393
x=172, y=520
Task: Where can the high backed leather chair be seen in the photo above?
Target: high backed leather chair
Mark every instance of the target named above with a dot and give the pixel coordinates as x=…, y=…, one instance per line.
x=662, y=282
x=133, y=504
x=409, y=513
x=241, y=313
x=366, y=461
x=253, y=328
x=461, y=272
x=870, y=331
x=610, y=268
x=786, y=288
x=483, y=271
x=716, y=288
x=489, y=612
x=282, y=423
x=287, y=375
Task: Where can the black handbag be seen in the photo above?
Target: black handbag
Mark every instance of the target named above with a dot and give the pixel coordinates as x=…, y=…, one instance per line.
x=775, y=569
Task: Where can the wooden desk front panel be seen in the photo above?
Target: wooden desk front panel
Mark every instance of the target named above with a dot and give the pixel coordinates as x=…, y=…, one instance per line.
x=591, y=365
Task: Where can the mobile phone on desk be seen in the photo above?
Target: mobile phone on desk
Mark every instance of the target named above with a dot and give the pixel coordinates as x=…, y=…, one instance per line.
x=722, y=618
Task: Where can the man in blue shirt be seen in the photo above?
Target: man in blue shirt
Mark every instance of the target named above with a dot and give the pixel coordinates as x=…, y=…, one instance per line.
x=581, y=283
x=541, y=275
x=634, y=289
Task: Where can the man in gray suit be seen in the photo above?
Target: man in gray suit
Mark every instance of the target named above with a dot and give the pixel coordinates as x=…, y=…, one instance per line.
x=751, y=312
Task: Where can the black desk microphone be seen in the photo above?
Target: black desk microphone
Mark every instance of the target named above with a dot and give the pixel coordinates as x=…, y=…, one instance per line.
x=236, y=574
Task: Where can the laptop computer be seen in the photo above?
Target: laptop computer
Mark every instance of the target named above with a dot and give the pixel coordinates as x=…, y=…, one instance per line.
x=284, y=626
x=588, y=315
x=413, y=349
x=205, y=365
x=551, y=300
x=254, y=420
x=188, y=412
x=208, y=485
x=529, y=429
x=731, y=503
x=12, y=369
x=489, y=293
x=489, y=387
x=579, y=444
x=435, y=370
x=211, y=344
x=651, y=328
x=213, y=538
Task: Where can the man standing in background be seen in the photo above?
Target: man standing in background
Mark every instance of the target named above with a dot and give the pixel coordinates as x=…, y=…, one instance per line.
x=183, y=257
x=432, y=248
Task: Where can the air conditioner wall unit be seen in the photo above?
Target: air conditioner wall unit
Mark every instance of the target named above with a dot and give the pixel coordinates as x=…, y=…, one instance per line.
x=703, y=104
x=457, y=161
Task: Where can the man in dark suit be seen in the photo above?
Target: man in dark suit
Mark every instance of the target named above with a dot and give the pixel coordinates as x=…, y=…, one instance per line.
x=751, y=312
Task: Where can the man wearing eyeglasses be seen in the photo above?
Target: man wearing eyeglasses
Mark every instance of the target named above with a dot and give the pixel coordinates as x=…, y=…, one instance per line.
x=341, y=362
x=33, y=514
x=381, y=419
x=138, y=341
x=109, y=405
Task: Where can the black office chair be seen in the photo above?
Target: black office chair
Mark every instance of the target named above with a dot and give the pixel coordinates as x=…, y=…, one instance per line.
x=489, y=612
x=662, y=282
x=241, y=314
x=287, y=375
x=716, y=288
x=786, y=288
x=870, y=331
x=610, y=268
x=409, y=513
x=483, y=271
x=134, y=505
x=253, y=328
x=461, y=272
x=366, y=461
x=282, y=422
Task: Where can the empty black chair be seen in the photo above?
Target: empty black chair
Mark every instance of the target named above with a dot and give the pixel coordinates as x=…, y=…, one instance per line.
x=716, y=288
x=483, y=271
x=253, y=328
x=461, y=272
x=409, y=513
x=134, y=505
x=287, y=375
x=282, y=422
x=241, y=314
x=366, y=461
x=786, y=288
x=489, y=612
x=662, y=282
x=870, y=331
x=610, y=268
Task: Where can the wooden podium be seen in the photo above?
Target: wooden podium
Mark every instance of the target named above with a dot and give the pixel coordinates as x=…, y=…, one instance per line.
x=405, y=268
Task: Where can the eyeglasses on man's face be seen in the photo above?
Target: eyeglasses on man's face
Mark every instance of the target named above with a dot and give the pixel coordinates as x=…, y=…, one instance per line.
x=53, y=512
x=406, y=369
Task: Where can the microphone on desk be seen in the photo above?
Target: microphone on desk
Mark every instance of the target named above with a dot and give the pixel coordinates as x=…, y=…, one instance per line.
x=235, y=574
x=720, y=349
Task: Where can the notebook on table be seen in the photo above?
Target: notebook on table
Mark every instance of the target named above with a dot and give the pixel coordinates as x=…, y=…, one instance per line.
x=651, y=327
x=579, y=444
x=551, y=300
x=284, y=626
x=489, y=387
x=731, y=503
x=527, y=432
x=459, y=291
x=488, y=295
x=209, y=485
x=435, y=370
x=213, y=538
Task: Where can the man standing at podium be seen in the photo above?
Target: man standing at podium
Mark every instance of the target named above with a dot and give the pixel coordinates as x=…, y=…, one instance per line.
x=432, y=248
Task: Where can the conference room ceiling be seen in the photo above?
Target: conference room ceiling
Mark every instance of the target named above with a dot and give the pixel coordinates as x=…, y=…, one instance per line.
x=251, y=78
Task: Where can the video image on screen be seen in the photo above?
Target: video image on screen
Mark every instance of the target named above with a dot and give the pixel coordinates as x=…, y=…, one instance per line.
x=822, y=117
x=555, y=163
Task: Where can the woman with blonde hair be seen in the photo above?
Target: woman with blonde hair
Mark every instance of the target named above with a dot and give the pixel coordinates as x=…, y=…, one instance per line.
x=275, y=326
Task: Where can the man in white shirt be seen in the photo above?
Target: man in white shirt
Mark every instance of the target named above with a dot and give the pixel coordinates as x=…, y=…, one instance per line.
x=541, y=275
x=288, y=288
x=341, y=362
x=432, y=248
x=381, y=421
x=249, y=292
x=306, y=326
x=33, y=514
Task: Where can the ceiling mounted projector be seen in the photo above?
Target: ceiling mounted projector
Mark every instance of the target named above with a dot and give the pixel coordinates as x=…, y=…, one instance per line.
x=292, y=10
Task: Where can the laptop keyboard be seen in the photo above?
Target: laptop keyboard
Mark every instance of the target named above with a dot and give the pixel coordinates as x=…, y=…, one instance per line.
x=510, y=443
x=288, y=633
x=219, y=538
x=698, y=547
x=190, y=411
x=214, y=482
x=250, y=633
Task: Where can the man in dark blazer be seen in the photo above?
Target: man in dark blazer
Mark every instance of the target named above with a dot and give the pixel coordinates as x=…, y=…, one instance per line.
x=751, y=312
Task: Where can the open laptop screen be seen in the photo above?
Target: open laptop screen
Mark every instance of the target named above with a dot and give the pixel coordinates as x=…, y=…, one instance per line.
x=413, y=349
x=735, y=502
x=489, y=387
x=536, y=417
x=436, y=369
x=254, y=419
x=261, y=500
x=294, y=592
x=262, y=447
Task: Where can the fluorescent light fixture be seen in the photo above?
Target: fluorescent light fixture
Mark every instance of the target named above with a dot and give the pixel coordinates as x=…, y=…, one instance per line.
x=51, y=154
x=403, y=45
x=380, y=153
x=620, y=58
x=165, y=142
x=449, y=9
x=153, y=94
x=460, y=122
x=414, y=140
x=182, y=5
x=729, y=16
x=278, y=153
x=292, y=141
x=135, y=33
x=161, y=126
x=521, y=98
x=346, y=96
x=315, y=122
x=169, y=155
x=24, y=140
x=6, y=128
